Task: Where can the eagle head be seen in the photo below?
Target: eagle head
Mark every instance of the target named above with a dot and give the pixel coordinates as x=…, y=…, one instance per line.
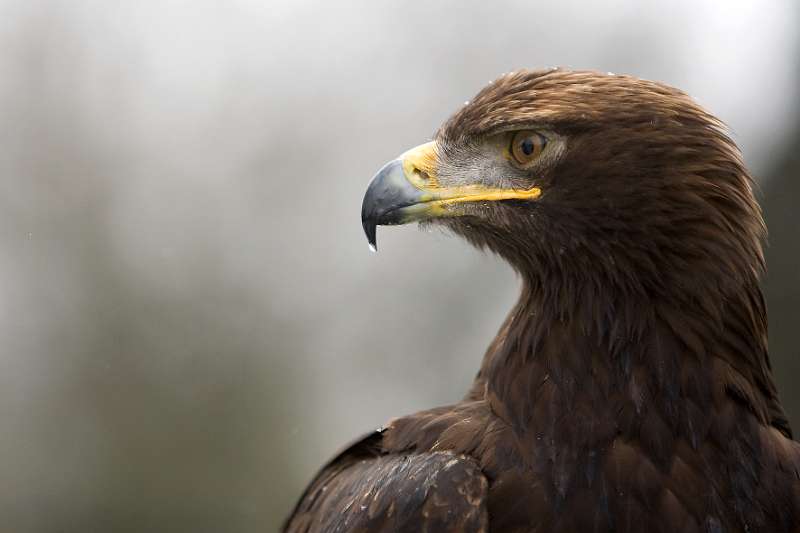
x=585, y=180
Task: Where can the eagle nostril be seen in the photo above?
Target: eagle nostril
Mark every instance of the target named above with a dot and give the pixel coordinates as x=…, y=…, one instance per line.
x=419, y=175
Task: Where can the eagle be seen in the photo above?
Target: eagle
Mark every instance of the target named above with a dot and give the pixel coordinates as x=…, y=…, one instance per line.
x=629, y=388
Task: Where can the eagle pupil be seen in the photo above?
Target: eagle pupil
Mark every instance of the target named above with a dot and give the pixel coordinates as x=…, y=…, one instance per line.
x=527, y=146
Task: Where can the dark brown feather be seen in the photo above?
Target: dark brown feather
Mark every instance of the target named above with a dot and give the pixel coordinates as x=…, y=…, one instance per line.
x=366, y=490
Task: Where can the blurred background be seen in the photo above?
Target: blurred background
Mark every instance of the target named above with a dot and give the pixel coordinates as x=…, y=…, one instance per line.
x=190, y=319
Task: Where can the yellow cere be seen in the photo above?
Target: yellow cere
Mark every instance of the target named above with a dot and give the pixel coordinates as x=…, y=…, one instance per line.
x=419, y=167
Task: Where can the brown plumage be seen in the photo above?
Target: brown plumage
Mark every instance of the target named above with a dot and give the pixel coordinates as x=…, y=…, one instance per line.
x=630, y=388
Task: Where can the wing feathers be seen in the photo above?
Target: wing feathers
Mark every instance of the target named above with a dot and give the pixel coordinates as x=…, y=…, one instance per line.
x=360, y=491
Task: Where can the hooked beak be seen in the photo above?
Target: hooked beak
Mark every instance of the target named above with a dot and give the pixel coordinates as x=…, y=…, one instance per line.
x=407, y=190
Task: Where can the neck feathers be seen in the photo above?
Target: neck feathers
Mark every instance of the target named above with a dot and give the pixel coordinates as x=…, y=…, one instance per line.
x=655, y=371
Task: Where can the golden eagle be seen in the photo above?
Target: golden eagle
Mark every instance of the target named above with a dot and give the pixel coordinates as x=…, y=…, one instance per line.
x=629, y=389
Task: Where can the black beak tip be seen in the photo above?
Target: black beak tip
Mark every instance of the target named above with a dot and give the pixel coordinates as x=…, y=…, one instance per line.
x=387, y=194
x=370, y=230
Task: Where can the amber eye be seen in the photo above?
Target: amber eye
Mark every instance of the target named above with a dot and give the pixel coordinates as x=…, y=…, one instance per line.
x=527, y=146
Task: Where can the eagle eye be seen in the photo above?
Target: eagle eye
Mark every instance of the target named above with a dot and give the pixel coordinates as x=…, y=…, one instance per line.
x=526, y=146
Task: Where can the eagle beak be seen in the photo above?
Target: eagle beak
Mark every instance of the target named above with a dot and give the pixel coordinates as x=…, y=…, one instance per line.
x=407, y=190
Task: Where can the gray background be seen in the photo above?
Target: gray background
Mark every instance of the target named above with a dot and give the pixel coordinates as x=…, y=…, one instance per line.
x=190, y=320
